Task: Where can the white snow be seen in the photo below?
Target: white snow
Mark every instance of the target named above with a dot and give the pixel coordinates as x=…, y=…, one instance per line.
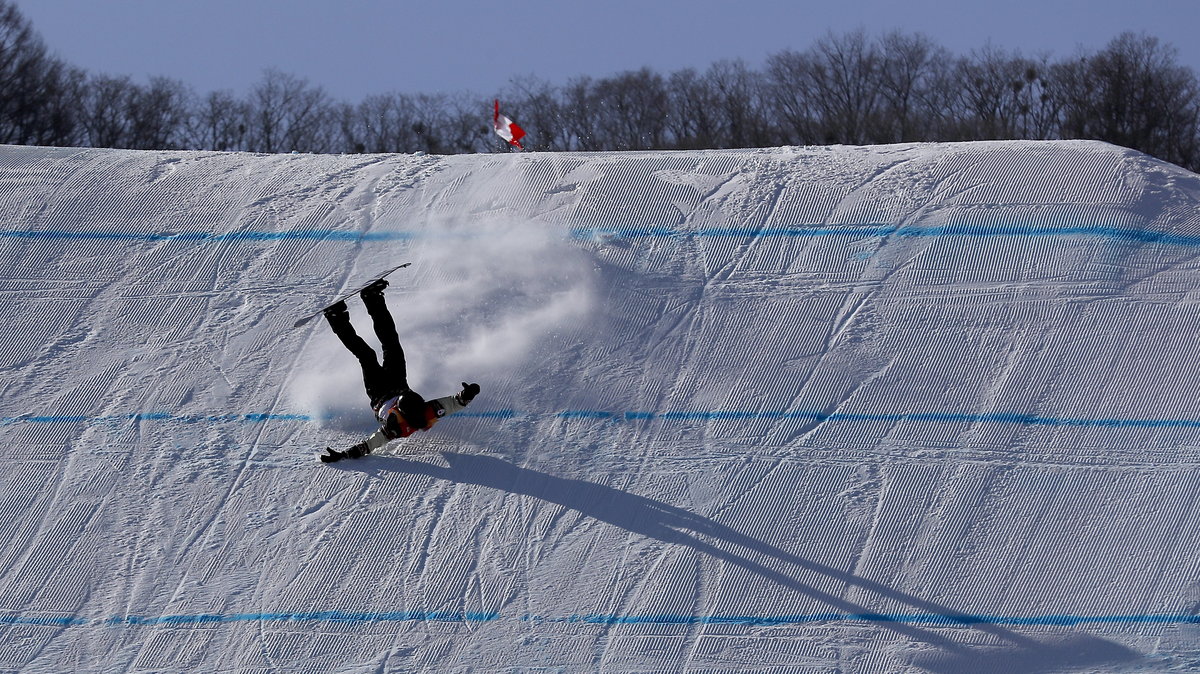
x=917, y=408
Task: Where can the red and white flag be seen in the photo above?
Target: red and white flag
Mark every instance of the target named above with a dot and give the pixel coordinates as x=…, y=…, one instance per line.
x=507, y=129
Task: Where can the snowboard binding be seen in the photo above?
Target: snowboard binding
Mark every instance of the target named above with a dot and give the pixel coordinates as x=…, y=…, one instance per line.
x=374, y=291
x=336, y=311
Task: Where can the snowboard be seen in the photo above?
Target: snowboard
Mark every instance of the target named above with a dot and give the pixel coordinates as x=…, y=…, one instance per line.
x=308, y=317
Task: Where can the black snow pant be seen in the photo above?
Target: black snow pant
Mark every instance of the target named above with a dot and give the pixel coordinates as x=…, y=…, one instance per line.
x=384, y=380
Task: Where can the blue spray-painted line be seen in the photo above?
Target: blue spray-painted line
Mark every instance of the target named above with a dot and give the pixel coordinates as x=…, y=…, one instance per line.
x=489, y=414
x=799, y=231
x=904, y=618
x=202, y=418
x=1007, y=418
x=313, y=616
x=151, y=416
x=211, y=237
x=585, y=414
x=883, y=230
x=935, y=417
x=935, y=619
x=47, y=621
x=925, y=417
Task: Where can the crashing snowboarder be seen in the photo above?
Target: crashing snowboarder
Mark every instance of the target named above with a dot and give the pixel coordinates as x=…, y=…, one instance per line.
x=400, y=410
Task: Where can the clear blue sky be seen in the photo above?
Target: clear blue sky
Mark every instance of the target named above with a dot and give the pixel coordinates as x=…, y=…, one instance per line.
x=354, y=48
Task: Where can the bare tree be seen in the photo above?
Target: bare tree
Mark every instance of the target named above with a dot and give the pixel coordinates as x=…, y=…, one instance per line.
x=37, y=93
x=54, y=117
x=692, y=111
x=739, y=94
x=830, y=93
x=218, y=122
x=430, y=115
x=159, y=115
x=582, y=115
x=790, y=86
x=846, y=86
x=1133, y=93
x=381, y=123
x=537, y=106
x=1004, y=96
x=912, y=86
x=464, y=125
x=105, y=111
x=634, y=106
x=287, y=114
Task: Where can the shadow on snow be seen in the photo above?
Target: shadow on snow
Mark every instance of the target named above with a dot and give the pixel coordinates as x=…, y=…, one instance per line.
x=676, y=526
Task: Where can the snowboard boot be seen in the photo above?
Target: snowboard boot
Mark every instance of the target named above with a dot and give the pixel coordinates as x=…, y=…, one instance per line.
x=374, y=291
x=337, y=312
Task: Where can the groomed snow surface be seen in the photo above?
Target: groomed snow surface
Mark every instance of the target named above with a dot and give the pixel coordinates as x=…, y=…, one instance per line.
x=917, y=408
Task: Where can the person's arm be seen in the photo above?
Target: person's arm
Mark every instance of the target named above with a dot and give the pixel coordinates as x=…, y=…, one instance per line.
x=374, y=442
x=458, y=402
x=449, y=405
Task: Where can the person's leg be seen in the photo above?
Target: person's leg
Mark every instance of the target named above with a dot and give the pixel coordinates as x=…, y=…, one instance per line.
x=385, y=328
x=374, y=379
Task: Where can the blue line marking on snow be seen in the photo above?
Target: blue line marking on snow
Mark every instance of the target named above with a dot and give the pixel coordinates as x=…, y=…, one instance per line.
x=52, y=621
x=925, y=417
x=314, y=616
x=799, y=231
x=488, y=414
x=882, y=230
x=152, y=416
x=936, y=619
x=1008, y=418
x=933, y=417
x=585, y=414
x=213, y=237
x=905, y=618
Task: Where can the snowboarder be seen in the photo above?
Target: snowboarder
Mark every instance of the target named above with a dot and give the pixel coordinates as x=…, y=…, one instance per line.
x=400, y=410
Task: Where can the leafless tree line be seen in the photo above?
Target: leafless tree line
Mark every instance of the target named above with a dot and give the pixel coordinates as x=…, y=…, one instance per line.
x=852, y=88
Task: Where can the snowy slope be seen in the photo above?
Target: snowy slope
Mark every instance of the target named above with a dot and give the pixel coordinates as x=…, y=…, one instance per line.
x=886, y=409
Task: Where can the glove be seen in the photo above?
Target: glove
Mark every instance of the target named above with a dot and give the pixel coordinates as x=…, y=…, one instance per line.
x=468, y=393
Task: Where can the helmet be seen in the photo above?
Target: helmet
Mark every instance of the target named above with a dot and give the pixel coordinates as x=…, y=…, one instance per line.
x=412, y=407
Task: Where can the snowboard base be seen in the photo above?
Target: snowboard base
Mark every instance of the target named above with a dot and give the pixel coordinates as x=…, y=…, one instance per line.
x=343, y=298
